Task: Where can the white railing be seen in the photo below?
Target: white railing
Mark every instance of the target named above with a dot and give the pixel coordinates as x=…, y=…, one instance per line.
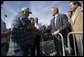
x=68, y=42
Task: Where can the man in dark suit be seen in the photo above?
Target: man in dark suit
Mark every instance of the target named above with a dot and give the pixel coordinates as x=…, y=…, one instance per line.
x=59, y=24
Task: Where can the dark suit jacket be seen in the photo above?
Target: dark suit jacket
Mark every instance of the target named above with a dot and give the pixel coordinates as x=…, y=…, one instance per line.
x=61, y=24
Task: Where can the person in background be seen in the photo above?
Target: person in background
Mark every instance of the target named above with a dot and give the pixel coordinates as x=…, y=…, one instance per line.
x=69, y=15
x=77, y=23
x=37, y=30
x=4, y=39
x=38, y=36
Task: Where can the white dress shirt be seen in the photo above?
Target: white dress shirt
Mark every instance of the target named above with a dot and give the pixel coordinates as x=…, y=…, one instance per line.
x=55, y=19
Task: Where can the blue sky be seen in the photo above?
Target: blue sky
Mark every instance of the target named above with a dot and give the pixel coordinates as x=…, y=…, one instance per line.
x=38, y=8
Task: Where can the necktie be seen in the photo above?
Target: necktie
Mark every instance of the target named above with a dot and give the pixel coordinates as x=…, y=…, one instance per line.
x=55, y=21
x=55, y=25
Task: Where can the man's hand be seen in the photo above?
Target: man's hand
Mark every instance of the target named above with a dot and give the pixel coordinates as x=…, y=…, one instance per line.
x=55, y=33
